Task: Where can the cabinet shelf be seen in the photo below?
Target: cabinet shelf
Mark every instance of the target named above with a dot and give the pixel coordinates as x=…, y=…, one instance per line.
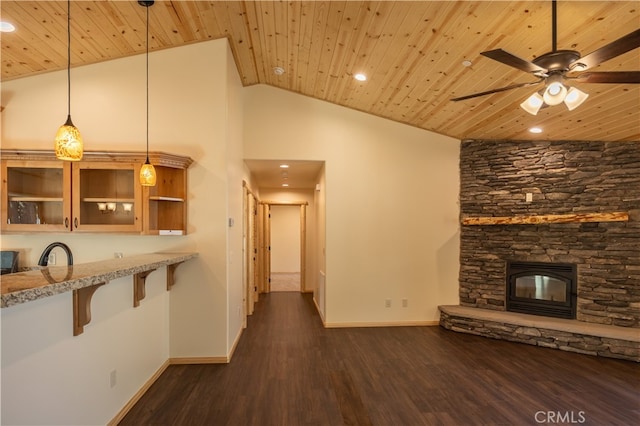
x=107, y=200
x=163, y=198
x=170, y=232
x=35, y=199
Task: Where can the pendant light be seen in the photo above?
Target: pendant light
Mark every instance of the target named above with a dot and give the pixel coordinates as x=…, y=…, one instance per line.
x=68, y=143
x=147, y=171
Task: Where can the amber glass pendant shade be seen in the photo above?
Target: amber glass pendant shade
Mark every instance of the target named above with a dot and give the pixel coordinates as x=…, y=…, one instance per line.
x=147, y=174
x=68, y=142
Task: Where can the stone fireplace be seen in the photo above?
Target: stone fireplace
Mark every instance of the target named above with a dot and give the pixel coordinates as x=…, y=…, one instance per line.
x=542, y=180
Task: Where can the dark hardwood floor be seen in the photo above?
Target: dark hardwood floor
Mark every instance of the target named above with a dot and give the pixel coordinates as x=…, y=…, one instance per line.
x=289, y=370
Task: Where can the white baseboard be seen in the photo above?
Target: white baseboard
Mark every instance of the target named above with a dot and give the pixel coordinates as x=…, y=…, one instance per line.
x=136, y=397
x=235, y=344
x=315, y=302
x=199, y=360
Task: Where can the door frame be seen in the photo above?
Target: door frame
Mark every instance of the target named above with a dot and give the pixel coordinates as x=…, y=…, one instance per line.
x=250, y=245
x=267, y=237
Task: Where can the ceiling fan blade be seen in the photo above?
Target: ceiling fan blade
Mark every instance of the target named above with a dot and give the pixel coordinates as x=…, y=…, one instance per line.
x=513, y=61
x=502, y=89
x=622, y=45
x=619, y=77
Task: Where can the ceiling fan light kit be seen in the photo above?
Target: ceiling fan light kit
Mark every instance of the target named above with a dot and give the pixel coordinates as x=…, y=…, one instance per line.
x=552, y=69
x=533, y=104
x=575, y=98
x=555, y=93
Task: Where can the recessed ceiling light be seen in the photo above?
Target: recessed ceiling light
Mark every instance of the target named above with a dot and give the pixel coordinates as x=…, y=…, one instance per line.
x=7, y=27
x=278, y=70
x=284, y=166
x=285, y=184
x=467, y=63
x=360, y=77
x=535, y=130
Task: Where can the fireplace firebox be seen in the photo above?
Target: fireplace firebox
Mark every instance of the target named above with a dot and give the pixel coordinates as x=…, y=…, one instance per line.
x=548, y=289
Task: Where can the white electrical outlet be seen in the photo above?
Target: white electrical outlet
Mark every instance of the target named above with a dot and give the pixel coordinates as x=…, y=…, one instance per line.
x=387, y=303
x=528, y=197
x=113, y=378
x=52, y=259
x=405, y=303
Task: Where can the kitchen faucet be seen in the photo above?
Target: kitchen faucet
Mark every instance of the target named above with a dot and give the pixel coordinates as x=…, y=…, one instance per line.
x=44, y=258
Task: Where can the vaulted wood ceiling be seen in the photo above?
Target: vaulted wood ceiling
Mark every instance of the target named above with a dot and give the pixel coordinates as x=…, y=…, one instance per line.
x=412, y=53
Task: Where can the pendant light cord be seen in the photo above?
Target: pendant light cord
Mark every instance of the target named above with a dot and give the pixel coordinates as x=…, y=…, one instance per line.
x=69, y=59
x=554, y=26
x=147, y=162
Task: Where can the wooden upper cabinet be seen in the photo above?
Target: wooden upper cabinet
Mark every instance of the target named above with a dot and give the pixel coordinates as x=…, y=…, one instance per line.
x=36, y=196
x=165, y=204
x=101, y=193
x=107, y=197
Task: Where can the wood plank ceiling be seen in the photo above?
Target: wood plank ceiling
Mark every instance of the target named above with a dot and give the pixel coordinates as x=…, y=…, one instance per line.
x=412, y=53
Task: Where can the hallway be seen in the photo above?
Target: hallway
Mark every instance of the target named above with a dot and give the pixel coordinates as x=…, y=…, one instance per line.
x=283, y=281
x=289, y=370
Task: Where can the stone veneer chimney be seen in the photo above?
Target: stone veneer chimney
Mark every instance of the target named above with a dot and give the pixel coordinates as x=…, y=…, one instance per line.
x=563, y=178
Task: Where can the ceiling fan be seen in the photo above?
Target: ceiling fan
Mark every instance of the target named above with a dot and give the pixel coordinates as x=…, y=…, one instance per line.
x=552, y=69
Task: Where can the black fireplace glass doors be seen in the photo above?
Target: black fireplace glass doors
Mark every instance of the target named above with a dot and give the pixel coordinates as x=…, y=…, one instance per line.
x=547, y=289
x=541, y=287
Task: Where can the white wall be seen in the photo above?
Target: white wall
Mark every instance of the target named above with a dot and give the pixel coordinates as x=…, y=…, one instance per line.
x=51, y=377
x=285, y=239
x=195, y=110
x=391, y=204
x=234, y=202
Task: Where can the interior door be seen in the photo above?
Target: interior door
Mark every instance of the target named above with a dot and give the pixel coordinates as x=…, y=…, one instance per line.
x=252, y=251
x=303, y=247
x=255, y=241
x=260, y=247
x=267, y=249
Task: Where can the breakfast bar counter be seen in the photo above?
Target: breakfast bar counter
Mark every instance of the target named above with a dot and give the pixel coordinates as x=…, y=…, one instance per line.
x=84, y=279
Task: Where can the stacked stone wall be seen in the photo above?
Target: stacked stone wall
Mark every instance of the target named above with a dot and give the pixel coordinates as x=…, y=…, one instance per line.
x=563, y=178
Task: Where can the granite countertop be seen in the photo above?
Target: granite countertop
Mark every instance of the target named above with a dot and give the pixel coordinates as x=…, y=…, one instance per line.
x=23, y=287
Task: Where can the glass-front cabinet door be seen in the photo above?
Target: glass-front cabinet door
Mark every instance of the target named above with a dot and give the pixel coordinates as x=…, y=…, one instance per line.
x=101, y=193
x=106, y=197
x=36, y=196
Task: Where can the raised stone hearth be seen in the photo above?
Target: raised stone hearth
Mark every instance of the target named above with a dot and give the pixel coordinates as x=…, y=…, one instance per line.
x=556, y=333
x=564, y=202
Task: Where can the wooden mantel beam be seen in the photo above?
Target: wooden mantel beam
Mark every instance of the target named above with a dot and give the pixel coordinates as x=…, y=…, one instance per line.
x=548, y=218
